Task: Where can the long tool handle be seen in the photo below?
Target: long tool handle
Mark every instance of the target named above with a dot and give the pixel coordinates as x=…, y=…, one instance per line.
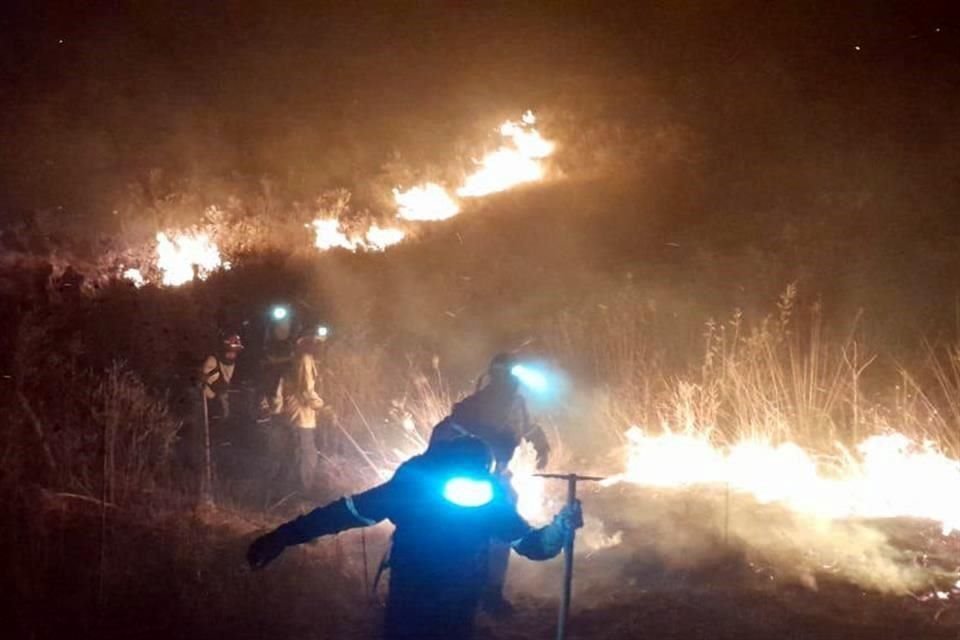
x=567, y=565
x=207, y=490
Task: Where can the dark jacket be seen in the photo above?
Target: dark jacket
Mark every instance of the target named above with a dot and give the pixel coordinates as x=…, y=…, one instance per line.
x=499, y=417
x=439, y=555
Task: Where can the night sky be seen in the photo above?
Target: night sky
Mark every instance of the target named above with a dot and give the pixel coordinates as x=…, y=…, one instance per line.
x=95, y=93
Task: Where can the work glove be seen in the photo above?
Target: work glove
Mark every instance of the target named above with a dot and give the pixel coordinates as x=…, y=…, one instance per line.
x=265, y=550
x=564, y=524
x=570, y=518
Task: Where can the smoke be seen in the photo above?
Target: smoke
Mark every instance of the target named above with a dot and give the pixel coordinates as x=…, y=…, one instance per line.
x=686, y=538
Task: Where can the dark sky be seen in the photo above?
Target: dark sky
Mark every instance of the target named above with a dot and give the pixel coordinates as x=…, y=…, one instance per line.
x=94, y=94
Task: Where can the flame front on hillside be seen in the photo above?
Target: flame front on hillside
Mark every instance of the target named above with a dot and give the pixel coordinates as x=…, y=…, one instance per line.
x=516, y=161
x=185, y=255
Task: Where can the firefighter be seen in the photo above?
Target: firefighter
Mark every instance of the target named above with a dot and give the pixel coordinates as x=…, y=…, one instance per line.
x=217, y=375
x=497, y=414
x=299, y=398
x=447, y=507
x=279, y=350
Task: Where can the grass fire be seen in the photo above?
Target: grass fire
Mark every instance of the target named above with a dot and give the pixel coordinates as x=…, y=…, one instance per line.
x=359, y=321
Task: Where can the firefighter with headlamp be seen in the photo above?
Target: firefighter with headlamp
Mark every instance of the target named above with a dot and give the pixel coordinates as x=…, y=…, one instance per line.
x=497, y=414
x=217, y=375
x=299, y=399
x=447, y=508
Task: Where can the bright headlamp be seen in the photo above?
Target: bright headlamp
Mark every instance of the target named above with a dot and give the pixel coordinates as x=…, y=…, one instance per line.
x=323, y=332
x=279, y=312
x=530, y=378
x=468, y=492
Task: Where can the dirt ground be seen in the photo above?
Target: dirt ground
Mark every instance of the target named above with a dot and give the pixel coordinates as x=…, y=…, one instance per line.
x=180, y=573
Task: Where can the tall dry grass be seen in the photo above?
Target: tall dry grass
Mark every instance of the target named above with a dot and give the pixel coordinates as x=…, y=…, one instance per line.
x=779, y=376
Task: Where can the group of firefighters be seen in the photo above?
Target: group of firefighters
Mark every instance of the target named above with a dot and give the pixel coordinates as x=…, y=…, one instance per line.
x=289, y=396
x=453, y=505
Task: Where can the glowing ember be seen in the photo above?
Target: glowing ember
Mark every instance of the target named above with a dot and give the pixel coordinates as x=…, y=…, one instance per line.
x=185, y=256
x=330, y=234
x=892, y=476
x=513, y=163
x=134, y=276
x=425, y=202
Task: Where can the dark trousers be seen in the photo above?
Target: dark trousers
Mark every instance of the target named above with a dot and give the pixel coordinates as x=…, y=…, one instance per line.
x=307, y=464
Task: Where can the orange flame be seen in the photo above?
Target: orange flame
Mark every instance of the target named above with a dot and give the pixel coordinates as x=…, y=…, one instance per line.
x=186, y=255
x=330, y=234
x=512, y=164
x=425, y=202
x=134, y=276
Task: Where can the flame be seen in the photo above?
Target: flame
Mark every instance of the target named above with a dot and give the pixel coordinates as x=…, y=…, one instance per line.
x=330, y=234
x=134, y=276
x=514, y=163
x=183, y=256
x=379, y=238
x=890, y=475
x=425, y=202
x=186, y=255
x=517, y=161
x=530, y=488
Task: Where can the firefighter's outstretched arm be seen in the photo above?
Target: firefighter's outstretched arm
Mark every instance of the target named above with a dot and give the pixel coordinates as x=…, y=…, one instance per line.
x=547, y=542
x=361, y=510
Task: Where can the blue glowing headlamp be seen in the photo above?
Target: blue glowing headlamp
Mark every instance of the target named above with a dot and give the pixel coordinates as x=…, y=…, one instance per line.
x=468, y=492
x=279, y=312
x=530, y=377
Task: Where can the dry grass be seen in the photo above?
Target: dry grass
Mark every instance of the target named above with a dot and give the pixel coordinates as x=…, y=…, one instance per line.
x=783, y=376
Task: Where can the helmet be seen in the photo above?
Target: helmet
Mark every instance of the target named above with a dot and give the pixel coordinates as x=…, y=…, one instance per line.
x=499, y=373
x=232, y=342
x=464, y=454
x=502, y=361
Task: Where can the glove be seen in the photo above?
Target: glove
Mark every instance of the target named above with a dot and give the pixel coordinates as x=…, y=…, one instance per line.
x=264, y=550
x=570, y=518
x=556, y=534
